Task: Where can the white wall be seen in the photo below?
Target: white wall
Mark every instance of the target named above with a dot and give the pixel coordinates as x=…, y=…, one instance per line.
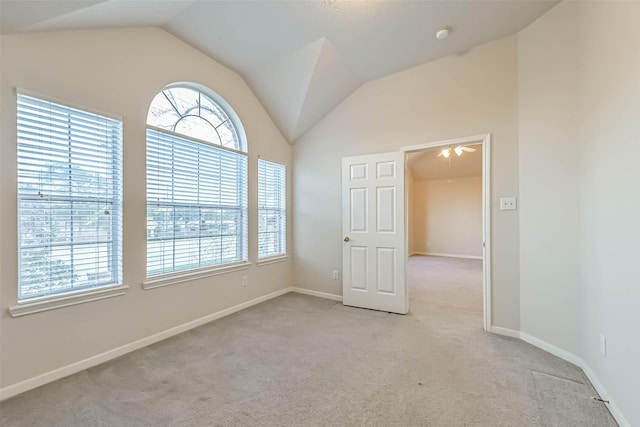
x=549, y=153
x=610, y=197
x=446, y=217
x=459, y=96
x=580, y=146
x=119, y=72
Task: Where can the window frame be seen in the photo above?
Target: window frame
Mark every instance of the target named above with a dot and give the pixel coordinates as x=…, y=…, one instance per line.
x=282, y=232
x=113, y=164
x=188, y=274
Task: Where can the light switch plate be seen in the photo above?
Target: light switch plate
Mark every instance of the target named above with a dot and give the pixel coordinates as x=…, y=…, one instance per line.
x=508, y=203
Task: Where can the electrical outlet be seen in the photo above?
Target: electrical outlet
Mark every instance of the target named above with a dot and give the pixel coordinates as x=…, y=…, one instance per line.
x=244, y=281
x=603, y=345
x=336, y=275
x=508, y=204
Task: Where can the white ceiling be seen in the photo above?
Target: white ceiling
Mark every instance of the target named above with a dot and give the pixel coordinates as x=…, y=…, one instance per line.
x=426, y=165
x=302, y=58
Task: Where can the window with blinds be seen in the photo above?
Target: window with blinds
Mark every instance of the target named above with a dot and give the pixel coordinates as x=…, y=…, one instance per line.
x=196, y=187
x=272, y=209
x=69, y=199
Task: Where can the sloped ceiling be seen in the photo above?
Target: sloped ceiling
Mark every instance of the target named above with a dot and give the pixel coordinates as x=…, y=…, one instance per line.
x=302, y=58
x=47, y=15
x=301, y=87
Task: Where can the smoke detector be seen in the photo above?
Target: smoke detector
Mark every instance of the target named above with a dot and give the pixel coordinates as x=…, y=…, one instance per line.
x=443, y=33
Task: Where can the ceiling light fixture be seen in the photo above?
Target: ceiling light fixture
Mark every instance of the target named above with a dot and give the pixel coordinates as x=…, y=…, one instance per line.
x=443, y=33
x=446, y=152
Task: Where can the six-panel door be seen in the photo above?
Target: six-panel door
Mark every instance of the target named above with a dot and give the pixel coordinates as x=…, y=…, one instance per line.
x=373, y=232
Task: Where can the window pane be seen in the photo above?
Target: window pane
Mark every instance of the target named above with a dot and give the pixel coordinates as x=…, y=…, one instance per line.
x=212, y=112
x=191, y=113
x=196, y=204
x=162, y=113
x=272, y=209
x=197, y=127
x=69, y=199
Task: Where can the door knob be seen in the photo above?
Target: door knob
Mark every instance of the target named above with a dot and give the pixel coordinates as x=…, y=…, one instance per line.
x=346, y=239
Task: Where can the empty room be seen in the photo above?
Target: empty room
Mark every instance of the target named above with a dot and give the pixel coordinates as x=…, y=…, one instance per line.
x=222, y=213
x=446, y=266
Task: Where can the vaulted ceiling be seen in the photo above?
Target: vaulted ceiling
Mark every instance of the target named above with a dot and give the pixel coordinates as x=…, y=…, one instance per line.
x=301, y=58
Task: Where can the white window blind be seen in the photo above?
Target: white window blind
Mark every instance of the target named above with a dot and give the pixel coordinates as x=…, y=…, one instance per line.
x=272, y=209
x=196, y=204
x=69, y=199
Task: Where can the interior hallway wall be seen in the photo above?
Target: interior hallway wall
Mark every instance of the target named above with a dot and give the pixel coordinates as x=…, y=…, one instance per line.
x=410, y=183
x=609, y=116
x=579, y=149
x=446, y=217
x=549, y=155
x=469, y=94
x=119, y=71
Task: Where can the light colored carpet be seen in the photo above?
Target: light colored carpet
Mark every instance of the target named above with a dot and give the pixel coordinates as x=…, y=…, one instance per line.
x=305, y=361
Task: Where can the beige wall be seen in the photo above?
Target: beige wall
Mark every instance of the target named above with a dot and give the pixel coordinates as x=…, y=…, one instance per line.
x=446, y=217
x=549, y=153
x=410, y=187
x=580, y=201
x=118, y=72
x=459, y=96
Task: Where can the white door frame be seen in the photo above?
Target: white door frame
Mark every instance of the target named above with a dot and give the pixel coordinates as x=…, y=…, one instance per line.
x=485, y=140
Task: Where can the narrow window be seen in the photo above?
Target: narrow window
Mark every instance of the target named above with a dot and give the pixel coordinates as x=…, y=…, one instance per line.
x=69, y=199
x=272, y=209
x=196, y=184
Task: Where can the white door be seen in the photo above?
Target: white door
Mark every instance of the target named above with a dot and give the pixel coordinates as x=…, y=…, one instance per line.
x=373, y=252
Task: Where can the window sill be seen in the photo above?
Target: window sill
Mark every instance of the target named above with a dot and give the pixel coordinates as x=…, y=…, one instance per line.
x=272, y=260
x=174, y=279
x=23, y=309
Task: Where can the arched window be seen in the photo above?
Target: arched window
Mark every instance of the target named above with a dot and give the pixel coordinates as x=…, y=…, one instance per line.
x=190, y=112
x=196, y=182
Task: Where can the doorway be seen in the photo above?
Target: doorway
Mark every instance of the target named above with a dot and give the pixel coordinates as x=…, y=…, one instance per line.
x=440, y=156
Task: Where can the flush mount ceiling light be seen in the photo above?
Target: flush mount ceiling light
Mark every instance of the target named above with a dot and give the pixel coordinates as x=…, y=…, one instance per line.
x=458, y=150
x=443, y=33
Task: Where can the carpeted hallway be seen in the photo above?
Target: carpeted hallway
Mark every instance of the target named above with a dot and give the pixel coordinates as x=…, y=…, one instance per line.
x=304, y=361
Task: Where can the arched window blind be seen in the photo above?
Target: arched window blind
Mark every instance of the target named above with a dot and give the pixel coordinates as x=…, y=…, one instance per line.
x=196, y=185
x=69, y=199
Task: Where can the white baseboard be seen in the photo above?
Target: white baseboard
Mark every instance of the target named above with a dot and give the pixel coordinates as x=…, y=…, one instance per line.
x=504, y=331
x=325, y=295
x=613, y=408
x=556, y=351
x=569, y=357
x=73, y=368
x=582, y=364
x=90, y=362
x=446, y=255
